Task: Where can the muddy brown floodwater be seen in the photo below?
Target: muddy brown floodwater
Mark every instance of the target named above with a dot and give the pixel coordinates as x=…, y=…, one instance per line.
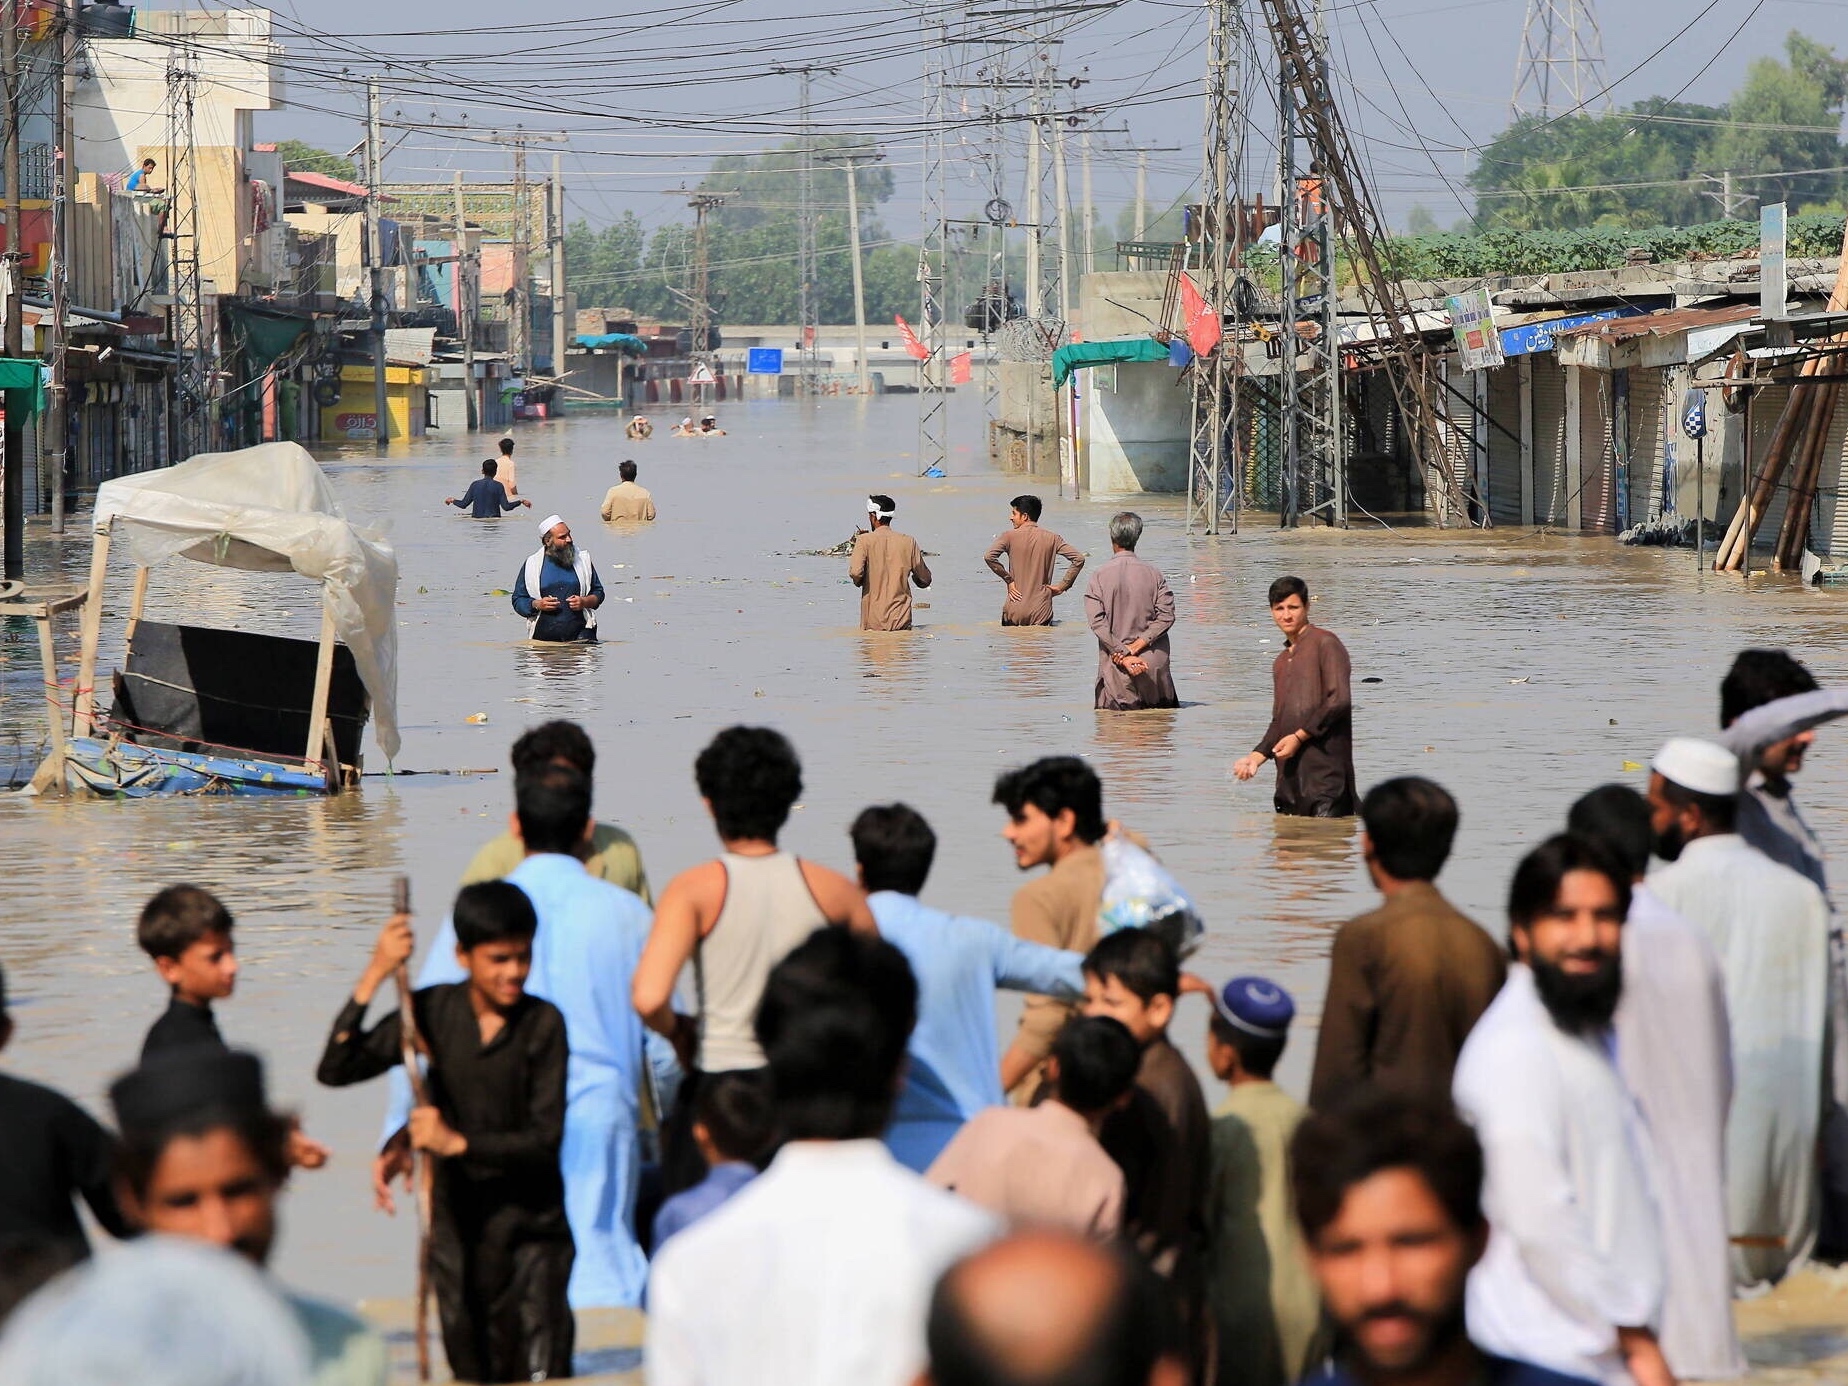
x=1518, y=669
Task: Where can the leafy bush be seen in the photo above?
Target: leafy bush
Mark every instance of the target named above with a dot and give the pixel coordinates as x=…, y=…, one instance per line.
x=1599, y=248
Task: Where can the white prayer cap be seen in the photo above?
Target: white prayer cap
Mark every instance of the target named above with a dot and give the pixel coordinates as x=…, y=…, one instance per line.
x=550, y=523
x=1701, y=766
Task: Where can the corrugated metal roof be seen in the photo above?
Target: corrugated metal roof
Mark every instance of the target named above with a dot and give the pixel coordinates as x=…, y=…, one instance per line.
x=1665, y=323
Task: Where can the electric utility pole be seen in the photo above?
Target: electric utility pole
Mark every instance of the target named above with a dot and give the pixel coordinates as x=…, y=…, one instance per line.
x=15, y=450
x=57, y=420
x=465, y=296
x=375, y=257
x=808, y=257
x=557, y=229
x=849, y=163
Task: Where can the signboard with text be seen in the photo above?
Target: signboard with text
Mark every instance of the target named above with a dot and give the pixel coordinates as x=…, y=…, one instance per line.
x=1472, y=320
x=764, y=361
x=1773, y=279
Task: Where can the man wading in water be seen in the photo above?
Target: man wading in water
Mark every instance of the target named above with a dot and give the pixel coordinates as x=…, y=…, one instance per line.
x=1311, y=734
x=567, y=587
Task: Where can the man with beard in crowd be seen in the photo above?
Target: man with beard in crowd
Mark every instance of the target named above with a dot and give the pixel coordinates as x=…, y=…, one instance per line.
x=1388, y=1189
x=558, y=590
x=1573, y=1277
x=1675, y=1053
x=1770, y=927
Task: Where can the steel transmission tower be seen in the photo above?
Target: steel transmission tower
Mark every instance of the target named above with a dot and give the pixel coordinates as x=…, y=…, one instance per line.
x=933, y=373
x=1309, y=340
x=191, y=426
x=1561, y=67
x=1212, y=472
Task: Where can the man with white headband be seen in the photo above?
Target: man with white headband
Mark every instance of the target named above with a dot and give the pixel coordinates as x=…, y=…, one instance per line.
x=884, y=565
x=568, y=590
x=1770, y=927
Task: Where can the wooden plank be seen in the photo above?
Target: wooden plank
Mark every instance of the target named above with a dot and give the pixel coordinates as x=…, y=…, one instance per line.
x=323, y=680
x=83, y=720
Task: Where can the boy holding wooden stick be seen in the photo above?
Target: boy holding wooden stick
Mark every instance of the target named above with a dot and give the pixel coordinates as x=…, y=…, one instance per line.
x=500, y=1247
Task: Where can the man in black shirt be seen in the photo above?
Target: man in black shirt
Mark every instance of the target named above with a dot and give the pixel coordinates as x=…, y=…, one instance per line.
x=486, y=498
x=51, y=1152
x=500, y=1247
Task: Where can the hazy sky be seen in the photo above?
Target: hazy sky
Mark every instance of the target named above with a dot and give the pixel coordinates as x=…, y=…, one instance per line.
x=649, y=95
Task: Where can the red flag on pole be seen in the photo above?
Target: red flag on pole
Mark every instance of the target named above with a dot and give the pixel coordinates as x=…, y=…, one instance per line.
x=1199, y=322
x=912, y=344
x=962, y=368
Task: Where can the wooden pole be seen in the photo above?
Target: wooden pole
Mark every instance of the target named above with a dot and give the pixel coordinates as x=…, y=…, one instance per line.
x=83, y=719
x=1735, y=549
x=1795, y=529
x=54, y=711
x=411, y=1047
x=323, y=681
x=136, y=603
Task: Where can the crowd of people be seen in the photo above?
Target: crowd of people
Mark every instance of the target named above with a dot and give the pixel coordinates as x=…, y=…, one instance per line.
x=771, y=1106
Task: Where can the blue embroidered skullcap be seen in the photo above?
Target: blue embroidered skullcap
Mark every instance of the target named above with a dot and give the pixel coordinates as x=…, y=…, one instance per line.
x=1256, y=1006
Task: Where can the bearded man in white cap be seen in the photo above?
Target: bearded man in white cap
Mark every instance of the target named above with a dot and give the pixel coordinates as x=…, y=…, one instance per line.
x=1770, y=928
x=884, y=565
x=558, y=590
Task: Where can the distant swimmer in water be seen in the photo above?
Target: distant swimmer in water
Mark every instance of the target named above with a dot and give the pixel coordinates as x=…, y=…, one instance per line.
x=639, y=429
x=709, y=427
x=567, y=587
x=685, y=429
x=486, y=498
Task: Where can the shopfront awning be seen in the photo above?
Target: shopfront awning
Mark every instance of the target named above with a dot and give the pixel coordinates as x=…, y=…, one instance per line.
x=1081, y=356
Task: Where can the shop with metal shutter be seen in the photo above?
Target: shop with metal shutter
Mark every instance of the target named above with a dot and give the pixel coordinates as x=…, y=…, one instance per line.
x=1504, y=436
x=1549, y=378
x=1597, y=500
x=1767, y=408
x=1829, y=521
x=1648, y=442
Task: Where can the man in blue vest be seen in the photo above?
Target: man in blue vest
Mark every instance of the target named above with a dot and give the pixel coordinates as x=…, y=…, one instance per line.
x=558, y=590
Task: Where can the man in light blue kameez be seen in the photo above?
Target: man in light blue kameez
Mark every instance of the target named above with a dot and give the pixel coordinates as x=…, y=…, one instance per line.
x=953, y=1067
x=584, y=955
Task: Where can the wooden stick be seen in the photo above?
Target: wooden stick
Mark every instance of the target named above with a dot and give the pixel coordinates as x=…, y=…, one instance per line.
x=1794, y=534
x=423, y=1171
x=83, y=718
x=323, y=681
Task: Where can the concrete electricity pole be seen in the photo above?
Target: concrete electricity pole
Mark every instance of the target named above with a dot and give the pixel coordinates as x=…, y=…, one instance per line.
x=559, y=337
x=375, y=256
x=465, y=293
x=850, y=164
x=15, y=496
x=57, y=447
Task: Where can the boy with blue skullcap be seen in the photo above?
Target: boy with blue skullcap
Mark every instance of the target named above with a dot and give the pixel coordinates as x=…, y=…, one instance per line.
x=1259, y=1286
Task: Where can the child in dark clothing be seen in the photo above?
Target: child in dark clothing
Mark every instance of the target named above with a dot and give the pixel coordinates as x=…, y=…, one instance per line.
x=1163, y=1138
x=187, y=933
x=500, y=1248
x=731, y=1126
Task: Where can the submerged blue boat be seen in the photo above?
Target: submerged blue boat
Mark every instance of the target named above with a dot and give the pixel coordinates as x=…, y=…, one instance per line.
x=124, y=770
x=199, y=710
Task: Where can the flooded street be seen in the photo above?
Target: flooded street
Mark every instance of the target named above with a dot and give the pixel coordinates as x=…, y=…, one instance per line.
x=1517, y=669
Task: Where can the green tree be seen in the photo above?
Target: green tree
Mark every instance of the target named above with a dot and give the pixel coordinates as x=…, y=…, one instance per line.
x=1783, y=121
x=301, y=157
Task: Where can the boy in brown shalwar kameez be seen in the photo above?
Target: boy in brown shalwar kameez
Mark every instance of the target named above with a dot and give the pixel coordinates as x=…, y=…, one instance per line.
x=1311, y=734
x=1028, y=573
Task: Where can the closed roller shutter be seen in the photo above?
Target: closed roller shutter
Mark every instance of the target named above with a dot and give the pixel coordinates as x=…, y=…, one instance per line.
x=1597, y=467
x=1647, y=443
x=1549, y=440
x=1504, y=431
x=1830, y=528
x=1767, y=409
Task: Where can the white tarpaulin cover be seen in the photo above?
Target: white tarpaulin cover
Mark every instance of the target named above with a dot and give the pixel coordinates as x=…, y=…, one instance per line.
x=271, y=509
